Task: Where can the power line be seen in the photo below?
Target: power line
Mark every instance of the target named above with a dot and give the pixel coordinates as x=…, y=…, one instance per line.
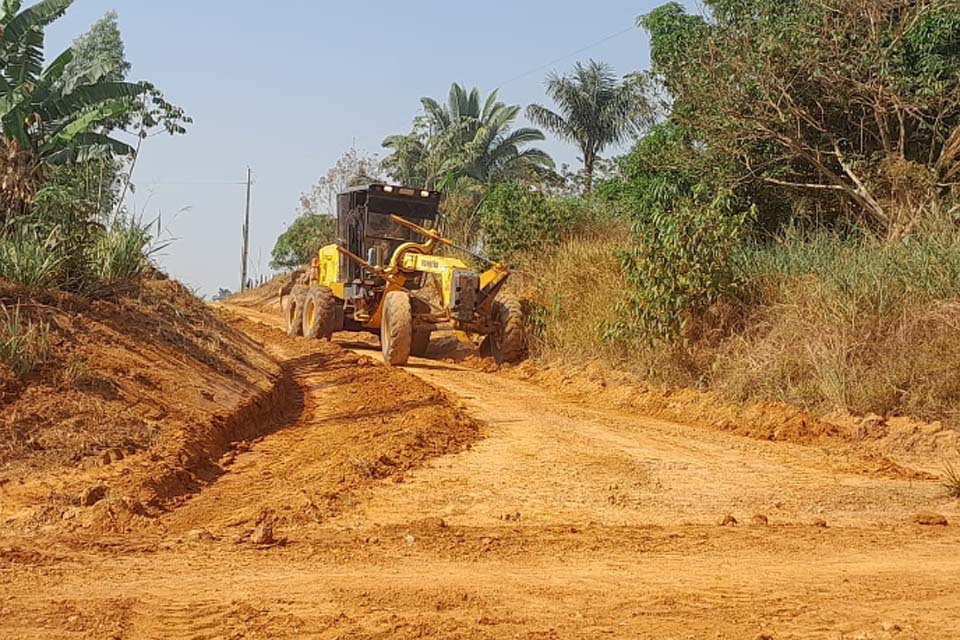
x=569, y=55
x=192, y=183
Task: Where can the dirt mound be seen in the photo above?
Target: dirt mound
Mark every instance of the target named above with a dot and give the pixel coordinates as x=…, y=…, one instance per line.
x=125, y=379
x=351, y=423
x=874, y=441
x=266, y=297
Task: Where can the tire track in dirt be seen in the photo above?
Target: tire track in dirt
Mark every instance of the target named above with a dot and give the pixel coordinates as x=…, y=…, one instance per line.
x=600, y=549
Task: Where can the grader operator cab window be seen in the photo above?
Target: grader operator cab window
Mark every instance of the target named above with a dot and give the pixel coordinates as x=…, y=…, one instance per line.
x=365, y=225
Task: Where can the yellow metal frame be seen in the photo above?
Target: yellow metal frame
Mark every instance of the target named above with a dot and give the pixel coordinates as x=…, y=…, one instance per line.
x=409, y=258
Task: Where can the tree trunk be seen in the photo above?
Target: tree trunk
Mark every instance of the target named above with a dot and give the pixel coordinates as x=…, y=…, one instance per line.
x=588, y=162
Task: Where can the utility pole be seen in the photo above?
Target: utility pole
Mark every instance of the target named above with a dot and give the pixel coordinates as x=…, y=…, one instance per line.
x=246, y=233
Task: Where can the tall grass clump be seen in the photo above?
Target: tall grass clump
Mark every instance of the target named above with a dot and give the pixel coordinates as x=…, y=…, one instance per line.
x=44, y=253
x=31, y=257
x=121, y=252
x=575, y=289
x=854, y=323
x=24, y=343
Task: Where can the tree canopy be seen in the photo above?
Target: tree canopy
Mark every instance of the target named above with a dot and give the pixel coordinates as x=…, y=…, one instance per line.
x=467, y=137
x=302, y=240
x=594, y=110
x=855, y=103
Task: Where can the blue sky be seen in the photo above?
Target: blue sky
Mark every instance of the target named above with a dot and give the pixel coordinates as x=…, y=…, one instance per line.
x=286, y=87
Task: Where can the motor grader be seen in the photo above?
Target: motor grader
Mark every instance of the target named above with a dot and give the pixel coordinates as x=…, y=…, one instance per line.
x=384, y=276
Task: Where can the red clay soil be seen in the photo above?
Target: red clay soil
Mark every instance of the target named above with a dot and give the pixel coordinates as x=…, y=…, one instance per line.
x=340, y=498
x=119, y=399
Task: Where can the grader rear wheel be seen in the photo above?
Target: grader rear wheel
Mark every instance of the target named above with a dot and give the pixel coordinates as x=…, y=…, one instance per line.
x=396, y=329
x=319, y=313
x=420, y=343
x=295, y=304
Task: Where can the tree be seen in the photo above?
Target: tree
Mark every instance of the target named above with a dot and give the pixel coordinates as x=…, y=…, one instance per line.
x=407, y=162
x=466, y=138
x=354, y=167
x=302, y=240
x=853, y=103
x=594, y=111
x=49, y=118
x=98, y=54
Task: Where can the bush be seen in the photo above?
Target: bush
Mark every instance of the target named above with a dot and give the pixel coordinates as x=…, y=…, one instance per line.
x=680, y=265
x=516, y=220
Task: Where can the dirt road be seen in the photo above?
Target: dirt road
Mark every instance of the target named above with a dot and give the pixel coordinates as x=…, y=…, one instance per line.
x=451, y=503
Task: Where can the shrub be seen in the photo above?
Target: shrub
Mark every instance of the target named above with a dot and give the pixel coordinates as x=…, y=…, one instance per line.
x=679, y=266
x=516, y=220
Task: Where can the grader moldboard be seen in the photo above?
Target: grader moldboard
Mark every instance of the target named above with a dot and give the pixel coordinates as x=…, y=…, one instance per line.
x=383, y=277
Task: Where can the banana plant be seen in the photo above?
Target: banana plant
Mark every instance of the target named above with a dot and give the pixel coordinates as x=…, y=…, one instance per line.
x=47, y=118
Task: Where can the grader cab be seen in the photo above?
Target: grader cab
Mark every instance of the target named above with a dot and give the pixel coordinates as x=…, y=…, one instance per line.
x=384, y=276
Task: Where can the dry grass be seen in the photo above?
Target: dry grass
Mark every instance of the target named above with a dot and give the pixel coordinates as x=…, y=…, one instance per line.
x=829, y=324
x=856, y=325
x=575, y=288
x=951, y=479
x=24, y=343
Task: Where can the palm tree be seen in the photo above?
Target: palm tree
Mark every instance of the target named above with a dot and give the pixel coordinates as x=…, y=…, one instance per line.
x=407, y=162
x=45, y=120
x=596, y=110
x=467, y=138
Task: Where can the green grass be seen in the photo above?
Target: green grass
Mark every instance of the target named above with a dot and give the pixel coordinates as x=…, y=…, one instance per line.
x=31, y=257
x=861, y=274
x=88, y=259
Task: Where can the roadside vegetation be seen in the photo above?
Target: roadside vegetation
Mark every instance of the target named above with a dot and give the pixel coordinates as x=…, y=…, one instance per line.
x=781, y=224
x=72, y=129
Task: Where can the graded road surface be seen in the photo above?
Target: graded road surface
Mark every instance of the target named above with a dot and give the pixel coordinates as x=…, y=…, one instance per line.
x=493, y=508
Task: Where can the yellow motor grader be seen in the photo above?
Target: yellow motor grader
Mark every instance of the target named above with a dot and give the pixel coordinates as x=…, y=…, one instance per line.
x=383, y=276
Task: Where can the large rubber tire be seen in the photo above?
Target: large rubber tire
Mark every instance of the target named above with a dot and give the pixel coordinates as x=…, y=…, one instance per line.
x=298, y=295
x=508, y=343
x=319, y=313
x=420, y=343
x=396, y=329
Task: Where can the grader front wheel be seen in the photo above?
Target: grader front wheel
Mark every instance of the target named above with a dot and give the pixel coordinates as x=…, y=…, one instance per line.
x=319, y=313
x=396, y=328
x=507, y=343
